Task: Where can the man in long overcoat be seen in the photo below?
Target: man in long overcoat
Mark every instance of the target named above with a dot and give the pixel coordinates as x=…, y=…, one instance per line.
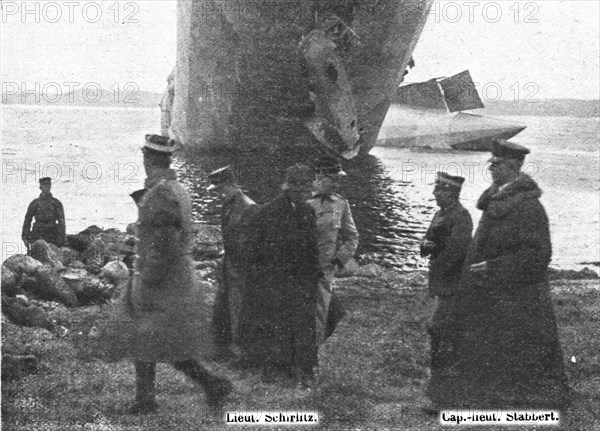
x=446, y=242
x=237, y=209
x=164, y=316
x=337, y=239
x=508, y=353
x=278, y=321
x=49, y=218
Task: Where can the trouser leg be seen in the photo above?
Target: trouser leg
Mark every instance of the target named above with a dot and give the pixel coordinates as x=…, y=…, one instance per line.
x=145, y=376
x=443, y=332
x=434, y=342
x=221, y=317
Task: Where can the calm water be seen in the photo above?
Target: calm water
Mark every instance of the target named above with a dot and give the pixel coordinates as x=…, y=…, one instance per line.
x=93, y=155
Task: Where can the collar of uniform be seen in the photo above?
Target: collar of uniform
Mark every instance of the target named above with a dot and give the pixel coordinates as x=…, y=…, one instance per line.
x=160, y=174
x=46, y=195
x=323, y=196
x=504, y=186
x=232, y=197
x=449, y=207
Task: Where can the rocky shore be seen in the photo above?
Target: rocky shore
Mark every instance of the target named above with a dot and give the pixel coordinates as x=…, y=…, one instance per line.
x=372, y=371
x=67, y=292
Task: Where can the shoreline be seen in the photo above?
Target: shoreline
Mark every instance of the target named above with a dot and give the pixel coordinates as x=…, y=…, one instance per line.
x=96, y=162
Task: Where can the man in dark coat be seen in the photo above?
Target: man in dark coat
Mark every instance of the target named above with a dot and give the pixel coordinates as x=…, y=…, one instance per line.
x=446, y=242
x=163, y=313
x=49, y=218
x=278, y=321
x=237, y=209
x=508, y=353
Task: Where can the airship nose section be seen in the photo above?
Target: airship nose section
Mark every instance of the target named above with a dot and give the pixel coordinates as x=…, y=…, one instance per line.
x=476, y=132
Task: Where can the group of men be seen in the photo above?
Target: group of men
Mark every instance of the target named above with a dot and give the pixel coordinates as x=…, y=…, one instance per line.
x=493, y=334
x=494, y=341
x=271, y=282
x=275, y=302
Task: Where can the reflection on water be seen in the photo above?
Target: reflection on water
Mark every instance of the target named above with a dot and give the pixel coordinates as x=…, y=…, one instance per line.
x=390, y=226
x=393, y=205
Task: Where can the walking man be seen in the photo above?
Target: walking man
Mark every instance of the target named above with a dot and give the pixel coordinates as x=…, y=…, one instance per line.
x=49, y=217
x=446, y=242
x=237, y=209
x=166, y=317
x=337, y=239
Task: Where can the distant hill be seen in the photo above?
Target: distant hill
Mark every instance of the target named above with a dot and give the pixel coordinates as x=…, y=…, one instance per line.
x=127, y=98
x=147, y=99
x=547, y=108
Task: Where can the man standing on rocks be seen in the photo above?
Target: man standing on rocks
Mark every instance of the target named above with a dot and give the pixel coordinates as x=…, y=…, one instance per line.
x=278, y=320
x=446, y=242
x=165, y=315
x=237, y=208
x=508, y=352
x=49, y=217
x=337, y=240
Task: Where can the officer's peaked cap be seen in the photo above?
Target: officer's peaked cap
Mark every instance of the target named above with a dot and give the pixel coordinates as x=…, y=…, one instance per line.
x=502, y=149
x=449, y=181
x=160, y=144
x=328, y=165
x=221, y=176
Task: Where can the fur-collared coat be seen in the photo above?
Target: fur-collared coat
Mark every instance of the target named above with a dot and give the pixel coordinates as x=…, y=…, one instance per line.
x=508, y=353
x=163, y=315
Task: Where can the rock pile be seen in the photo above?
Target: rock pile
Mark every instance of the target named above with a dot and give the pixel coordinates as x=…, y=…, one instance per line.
x=67, y=292
x=53, y=287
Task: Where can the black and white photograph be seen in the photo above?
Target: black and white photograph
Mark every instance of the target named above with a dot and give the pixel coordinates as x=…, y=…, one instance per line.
x=300, y=214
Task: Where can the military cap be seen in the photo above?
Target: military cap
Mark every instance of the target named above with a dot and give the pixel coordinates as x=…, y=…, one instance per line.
x=328, y=165
x=449, y=181
x=46, y=181
x=160, y=144
x=502, y=149
x=221, y=176
x=299, y=174
x=138, y=195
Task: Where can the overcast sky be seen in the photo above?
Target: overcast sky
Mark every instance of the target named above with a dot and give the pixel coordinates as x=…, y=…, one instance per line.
x=514, y=49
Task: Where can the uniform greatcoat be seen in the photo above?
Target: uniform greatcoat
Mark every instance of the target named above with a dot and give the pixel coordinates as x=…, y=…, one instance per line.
x=237, y=210
x=450, y=231
x=49, y=220
x=163, y=315
x=508, y=352
x=277, y=324
x=337, y=240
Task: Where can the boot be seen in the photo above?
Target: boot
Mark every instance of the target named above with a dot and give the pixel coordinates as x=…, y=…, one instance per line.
x=145, y=375
x=306, y=377
x=216, y=388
